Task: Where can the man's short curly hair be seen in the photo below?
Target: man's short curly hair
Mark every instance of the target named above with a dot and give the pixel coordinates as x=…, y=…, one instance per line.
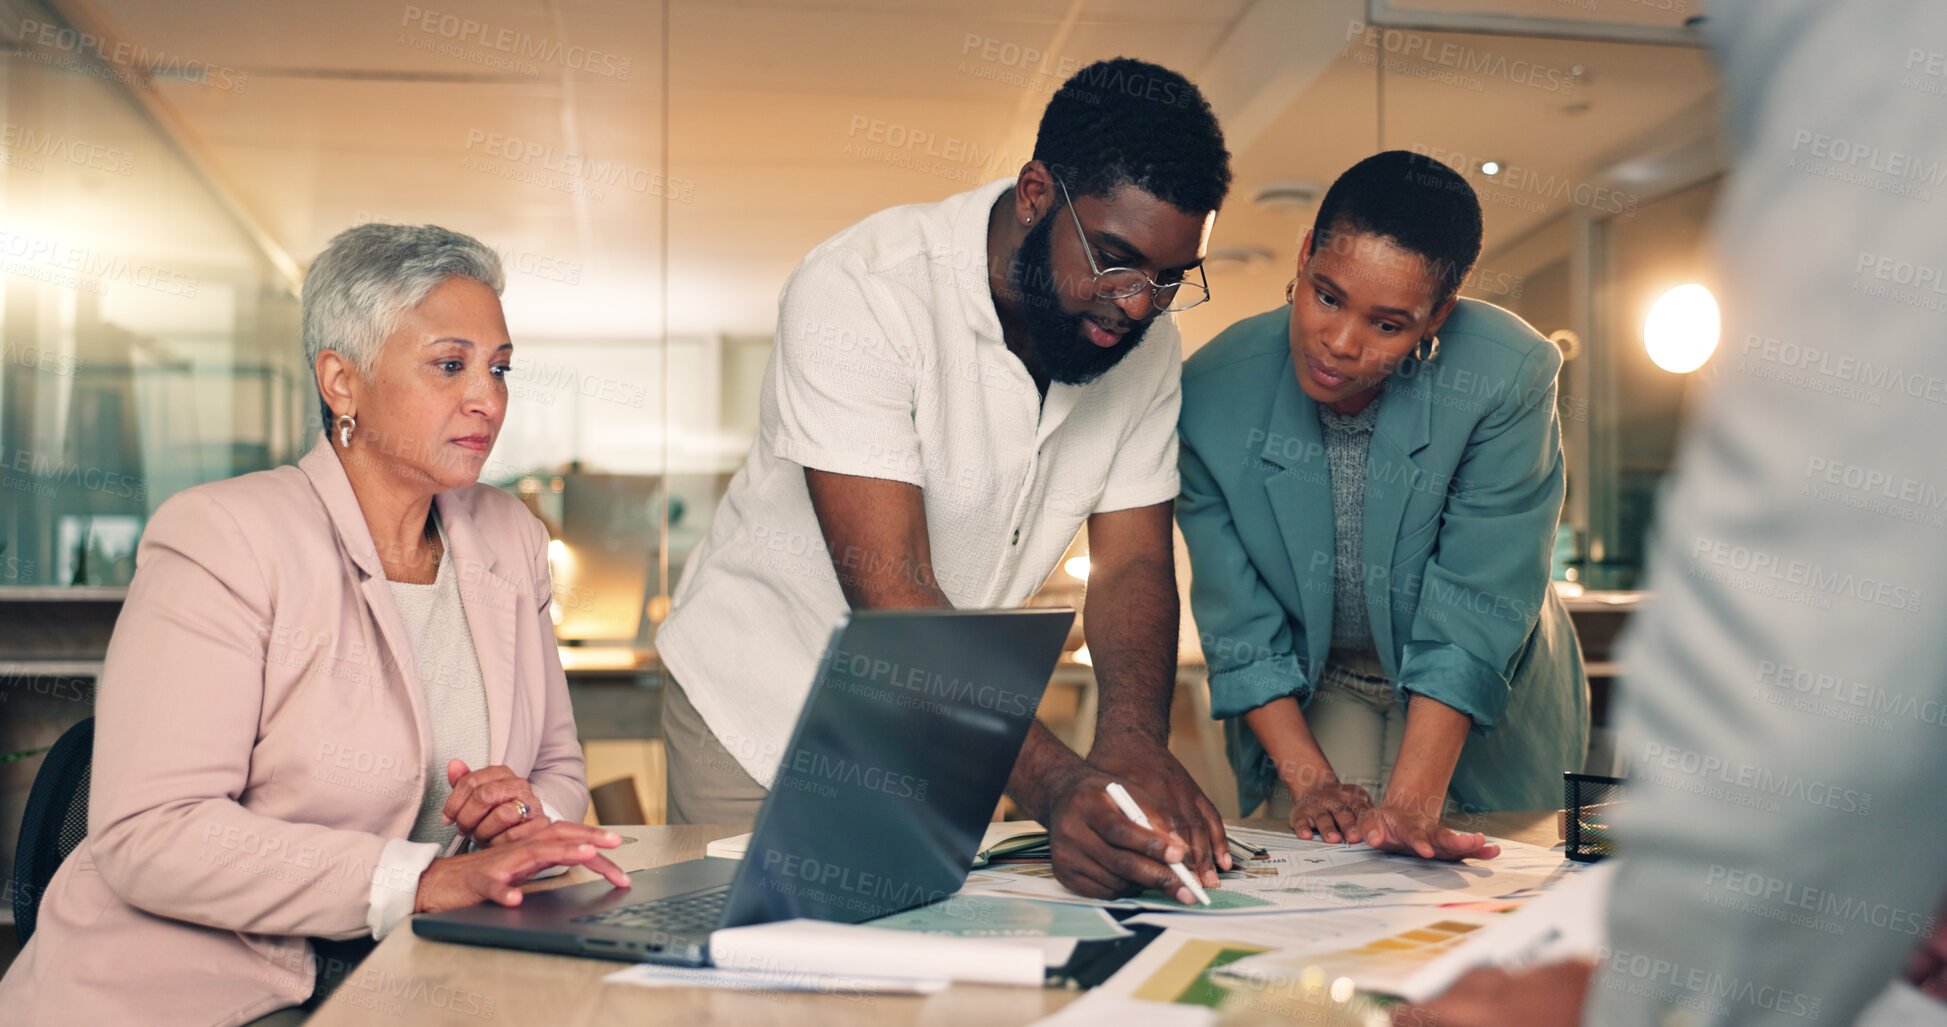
x=1130, y=122
x=1422, y=205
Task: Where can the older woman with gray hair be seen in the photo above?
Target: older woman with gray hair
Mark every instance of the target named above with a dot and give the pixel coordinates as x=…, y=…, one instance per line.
x=333, y=697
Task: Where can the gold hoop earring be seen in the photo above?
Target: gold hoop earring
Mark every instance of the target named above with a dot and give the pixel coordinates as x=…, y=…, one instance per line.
x=1428, y=348
x=346, y=425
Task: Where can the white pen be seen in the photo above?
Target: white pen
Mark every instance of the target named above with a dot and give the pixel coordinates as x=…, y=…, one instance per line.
x=1134, y=812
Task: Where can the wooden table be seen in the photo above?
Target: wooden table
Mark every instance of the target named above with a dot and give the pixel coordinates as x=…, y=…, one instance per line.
x=410, y=980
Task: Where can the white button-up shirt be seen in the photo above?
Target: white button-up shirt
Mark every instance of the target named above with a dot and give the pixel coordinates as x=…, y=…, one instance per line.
x=890, y=364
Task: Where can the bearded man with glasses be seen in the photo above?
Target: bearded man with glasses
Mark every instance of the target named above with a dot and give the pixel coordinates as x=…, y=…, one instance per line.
x=956, y=389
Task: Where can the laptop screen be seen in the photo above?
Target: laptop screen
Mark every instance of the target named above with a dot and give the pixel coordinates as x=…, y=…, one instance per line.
x=899, y=756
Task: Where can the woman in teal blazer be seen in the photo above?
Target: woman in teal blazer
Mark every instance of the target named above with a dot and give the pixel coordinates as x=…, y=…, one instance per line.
x=1372, y=478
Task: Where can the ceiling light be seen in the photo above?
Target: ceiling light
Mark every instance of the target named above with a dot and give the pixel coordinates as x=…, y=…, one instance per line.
x=1681, y=329
x=1290, y=197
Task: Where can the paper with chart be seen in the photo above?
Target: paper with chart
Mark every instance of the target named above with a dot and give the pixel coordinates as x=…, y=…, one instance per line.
x=1314, y=931
x=1167, y=984
x=1387, y=964
x=1299, y=875
x=1178, y=980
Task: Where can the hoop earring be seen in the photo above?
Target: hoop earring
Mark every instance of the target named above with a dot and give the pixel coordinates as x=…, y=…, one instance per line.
x=1431, y=346
x=346, y=425
x=1290, y=288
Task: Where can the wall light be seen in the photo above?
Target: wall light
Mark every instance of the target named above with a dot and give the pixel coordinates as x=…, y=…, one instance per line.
x=1682, y=328
x=1490, y=167
x=1077, y=567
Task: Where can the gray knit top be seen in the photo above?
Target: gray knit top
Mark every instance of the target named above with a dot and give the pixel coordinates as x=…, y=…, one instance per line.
x=1348, y=440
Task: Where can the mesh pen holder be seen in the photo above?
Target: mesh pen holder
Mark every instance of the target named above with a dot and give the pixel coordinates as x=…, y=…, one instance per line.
x=1589, y=802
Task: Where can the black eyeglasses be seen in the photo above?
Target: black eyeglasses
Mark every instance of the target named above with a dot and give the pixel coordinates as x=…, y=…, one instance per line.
x=1120, y=283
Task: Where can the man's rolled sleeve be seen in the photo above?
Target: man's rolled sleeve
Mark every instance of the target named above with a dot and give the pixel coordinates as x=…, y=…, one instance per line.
x=1143, y=472
x=842, y=380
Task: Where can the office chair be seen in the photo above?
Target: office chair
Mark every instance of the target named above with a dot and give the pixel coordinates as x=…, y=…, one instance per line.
x=55, y=822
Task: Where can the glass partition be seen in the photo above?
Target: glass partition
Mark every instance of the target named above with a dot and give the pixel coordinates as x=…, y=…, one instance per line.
x=651, y=174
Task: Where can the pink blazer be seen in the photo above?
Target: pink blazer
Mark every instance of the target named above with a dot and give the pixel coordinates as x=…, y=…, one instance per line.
x=261, y=732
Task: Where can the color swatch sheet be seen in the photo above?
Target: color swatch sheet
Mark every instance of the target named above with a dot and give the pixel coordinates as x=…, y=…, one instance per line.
x=1385, y=964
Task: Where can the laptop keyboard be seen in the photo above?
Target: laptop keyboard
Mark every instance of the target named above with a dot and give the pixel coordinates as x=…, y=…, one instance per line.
x=694, y=913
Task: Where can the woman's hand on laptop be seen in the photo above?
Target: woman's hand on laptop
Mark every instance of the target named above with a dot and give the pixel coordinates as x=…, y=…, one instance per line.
x=492, y=804
x=496, y=874
x=1100, y=853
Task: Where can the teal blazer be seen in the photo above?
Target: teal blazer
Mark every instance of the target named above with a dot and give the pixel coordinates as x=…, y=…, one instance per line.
x=1464, y=487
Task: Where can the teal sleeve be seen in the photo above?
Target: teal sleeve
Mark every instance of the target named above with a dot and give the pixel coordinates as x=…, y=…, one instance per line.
x=1488, y=574
x=1246, y=633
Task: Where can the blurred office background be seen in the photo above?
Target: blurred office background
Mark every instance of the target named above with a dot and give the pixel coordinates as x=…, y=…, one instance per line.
x=651, y=170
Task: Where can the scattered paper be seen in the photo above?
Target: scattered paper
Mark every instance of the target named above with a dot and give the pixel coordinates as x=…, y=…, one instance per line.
x=1389, y=964
x=1568, y=922
x=1093, y=1010
x=818, y=947
x=649, y=975
x=1312, y=932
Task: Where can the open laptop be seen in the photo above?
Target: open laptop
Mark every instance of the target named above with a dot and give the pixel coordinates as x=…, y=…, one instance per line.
x=891, y=776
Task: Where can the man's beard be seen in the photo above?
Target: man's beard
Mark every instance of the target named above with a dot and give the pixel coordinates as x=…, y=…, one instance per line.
x=1054, y=335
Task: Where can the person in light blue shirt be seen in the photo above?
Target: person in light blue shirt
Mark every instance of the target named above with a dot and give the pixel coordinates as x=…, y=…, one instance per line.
x=1372, y=478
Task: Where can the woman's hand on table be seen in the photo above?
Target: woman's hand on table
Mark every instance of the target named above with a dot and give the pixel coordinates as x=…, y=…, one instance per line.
x=1408, y=831
x=496, y=874
x=1330, y=811
x=487, y=804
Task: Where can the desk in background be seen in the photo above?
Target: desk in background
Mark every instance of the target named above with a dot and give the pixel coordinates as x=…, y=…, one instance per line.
x=411, y=980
